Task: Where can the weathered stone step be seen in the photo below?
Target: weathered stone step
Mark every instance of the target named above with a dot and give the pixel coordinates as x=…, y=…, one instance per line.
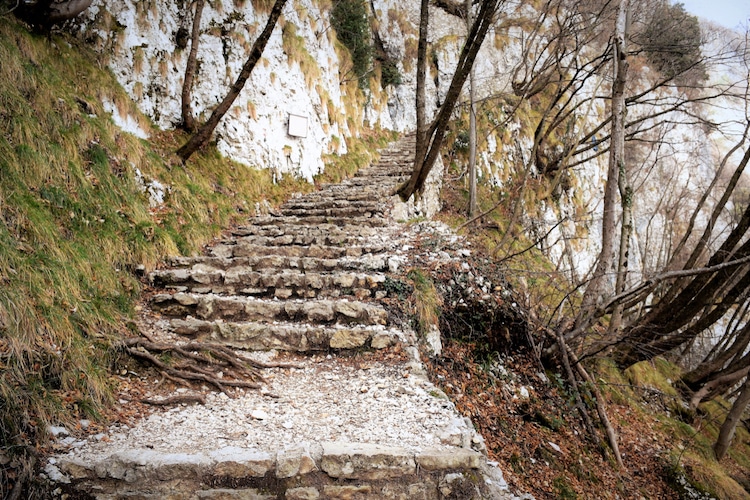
x=323, y=203
x=346, y=189
x=391, y=170
x=208, y=263
x=359, y=212
x=327, y=470
x=245, y=249
x=281, y=284
x=286, y=336
x=365, y=181
x=318, y=220
x=239, y=308
x=336, y=196
x=292, y=232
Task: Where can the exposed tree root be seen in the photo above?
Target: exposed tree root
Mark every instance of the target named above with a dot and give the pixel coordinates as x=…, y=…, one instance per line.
x=175, y=400
x=213, y=364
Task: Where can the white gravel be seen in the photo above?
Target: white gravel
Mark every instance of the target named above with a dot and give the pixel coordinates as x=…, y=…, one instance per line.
x=325, y=400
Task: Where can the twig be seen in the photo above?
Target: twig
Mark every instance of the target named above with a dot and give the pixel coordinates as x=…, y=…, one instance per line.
x=507, y=257
x=574, y=386
x=601, y=409
x=18, y=2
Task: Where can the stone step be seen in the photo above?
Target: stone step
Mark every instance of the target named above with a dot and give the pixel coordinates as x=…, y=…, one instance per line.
x=359, y=212
x=208, y=263
x=245, y=249
x=319, y=220
x=324, y=203
x=328, y=195
x=391, y=170
x=319, y=470
x=242, y=308
x=292, y=232
x=282, y=284
x=286, y=336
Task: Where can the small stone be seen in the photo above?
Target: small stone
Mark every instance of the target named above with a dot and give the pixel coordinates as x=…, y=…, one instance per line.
x=259, y=414
x=57, y=430
x=307, y=493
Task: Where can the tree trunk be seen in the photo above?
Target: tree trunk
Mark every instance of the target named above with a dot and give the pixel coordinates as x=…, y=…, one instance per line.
x=626, y=231
x=49, y=12
x=188, y=120
x=431, y=140
x=704, y=371
x=730, y=424
x=472, y=128
x=616, y=163
x=203, y=134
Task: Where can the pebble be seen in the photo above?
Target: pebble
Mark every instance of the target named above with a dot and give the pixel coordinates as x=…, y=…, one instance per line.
x=259, y=414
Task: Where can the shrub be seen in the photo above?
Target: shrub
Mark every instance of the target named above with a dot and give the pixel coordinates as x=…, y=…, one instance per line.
x=349, y=19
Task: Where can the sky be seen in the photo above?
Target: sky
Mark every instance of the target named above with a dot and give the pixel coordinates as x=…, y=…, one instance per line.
x=729, y=13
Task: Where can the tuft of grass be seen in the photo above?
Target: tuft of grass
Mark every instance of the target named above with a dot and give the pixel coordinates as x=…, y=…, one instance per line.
x=426, y=301
x=657, y=374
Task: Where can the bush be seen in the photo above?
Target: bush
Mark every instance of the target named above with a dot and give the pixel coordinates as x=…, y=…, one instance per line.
x=349, y=18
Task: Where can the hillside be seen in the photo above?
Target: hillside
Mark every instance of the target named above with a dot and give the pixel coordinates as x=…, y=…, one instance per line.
x=93, y=199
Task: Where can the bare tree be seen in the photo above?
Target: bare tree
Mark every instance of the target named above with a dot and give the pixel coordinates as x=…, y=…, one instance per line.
x=202, y=135
x=188, y=120
x=726, y=433
x=430, y=137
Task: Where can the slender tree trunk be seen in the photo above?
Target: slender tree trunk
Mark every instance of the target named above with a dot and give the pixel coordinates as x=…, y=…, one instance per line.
x=616, y=162
x=435, y=133
x=188, y=120
x=203, y=134
x=730, y=424
x=472, y=128
x=704, y=371
x=421, y=100
x=626, y=231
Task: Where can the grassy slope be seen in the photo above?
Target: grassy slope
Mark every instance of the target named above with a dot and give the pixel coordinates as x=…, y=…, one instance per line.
x=75, y=225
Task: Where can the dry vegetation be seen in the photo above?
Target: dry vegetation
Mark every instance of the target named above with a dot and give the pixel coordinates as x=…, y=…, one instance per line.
x=527, y=413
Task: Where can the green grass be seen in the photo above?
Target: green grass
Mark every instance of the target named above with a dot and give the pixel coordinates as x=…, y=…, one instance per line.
x=426, y=301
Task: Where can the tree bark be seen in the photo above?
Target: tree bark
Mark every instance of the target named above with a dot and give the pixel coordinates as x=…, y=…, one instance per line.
x=719, y=384
x=616, y=162
x=626, y=231
x=730, y=424
x=49, y=12
x=472, y=128
x=203, y=134
x=188, y=120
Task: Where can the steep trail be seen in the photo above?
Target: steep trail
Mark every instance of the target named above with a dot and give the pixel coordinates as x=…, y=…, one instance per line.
x=355, y=417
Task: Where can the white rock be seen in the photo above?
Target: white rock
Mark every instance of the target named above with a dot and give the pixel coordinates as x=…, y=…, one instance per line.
x=259, y=414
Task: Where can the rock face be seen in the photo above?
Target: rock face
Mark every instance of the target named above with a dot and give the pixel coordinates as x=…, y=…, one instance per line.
x=301, y=79
x=310, y=282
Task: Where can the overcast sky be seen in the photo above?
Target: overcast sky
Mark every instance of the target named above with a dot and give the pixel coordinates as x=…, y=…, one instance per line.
x=729, y=13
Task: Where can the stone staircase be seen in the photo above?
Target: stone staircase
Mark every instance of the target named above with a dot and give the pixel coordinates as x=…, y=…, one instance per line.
x=307, y=280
